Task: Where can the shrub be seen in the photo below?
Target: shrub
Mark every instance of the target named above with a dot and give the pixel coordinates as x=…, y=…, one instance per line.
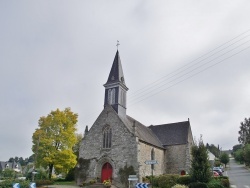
x=225, y=183
x=44, y=182
x=179, y=186
x=92, y=181
x=145, y=180
x=214, y=183
x=198, y=185
x=154, y=180
x=184, y=180
x=167, y=181
x=8, y=183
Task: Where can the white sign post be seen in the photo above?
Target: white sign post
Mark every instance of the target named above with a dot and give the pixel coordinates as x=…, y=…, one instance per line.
x=132, y=178
x=152, y=163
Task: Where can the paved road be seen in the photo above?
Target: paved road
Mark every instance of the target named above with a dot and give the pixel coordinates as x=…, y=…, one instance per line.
x=238, y=175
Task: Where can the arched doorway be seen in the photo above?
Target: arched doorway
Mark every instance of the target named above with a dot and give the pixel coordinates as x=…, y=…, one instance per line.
x=106, y=171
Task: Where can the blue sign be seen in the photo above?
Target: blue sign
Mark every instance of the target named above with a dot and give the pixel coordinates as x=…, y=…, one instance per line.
x=32, y=185
x=142, y=185
x=16, y=185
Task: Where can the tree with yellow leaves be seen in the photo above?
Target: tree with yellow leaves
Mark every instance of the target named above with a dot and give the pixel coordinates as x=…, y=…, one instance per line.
x=54, y=140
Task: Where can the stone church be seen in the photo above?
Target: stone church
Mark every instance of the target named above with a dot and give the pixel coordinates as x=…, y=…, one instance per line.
x=116, y=140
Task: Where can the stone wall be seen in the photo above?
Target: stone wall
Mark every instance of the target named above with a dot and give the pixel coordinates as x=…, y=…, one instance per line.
x=175, y=157
x=122, y=152
x=144, y=154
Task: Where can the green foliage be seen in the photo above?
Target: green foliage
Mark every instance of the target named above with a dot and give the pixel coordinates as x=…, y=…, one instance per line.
x=224, y=158
x=184, y=180
x=8, y=183
x=44, y=182
x=244, y=133
x=214, y=183
x=70, y=175
x=124, y=173
x=247, y=154
x=213, y=149
x=236, y=147
x=198, y=185
x=53, y=141
x=200, y=167
x=167, y=180
x=92, y=181
x=217, y=162
x=225, y=183
x=179, y=186
x=239, y=155
x=8, y=173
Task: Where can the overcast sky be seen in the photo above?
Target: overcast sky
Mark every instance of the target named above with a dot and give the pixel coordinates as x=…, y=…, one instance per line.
x=181, y=59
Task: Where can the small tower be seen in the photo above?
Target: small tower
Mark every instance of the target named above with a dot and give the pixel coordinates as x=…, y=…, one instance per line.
x=115, y=88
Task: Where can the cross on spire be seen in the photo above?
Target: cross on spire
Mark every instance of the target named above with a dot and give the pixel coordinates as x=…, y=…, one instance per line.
x=117, y=44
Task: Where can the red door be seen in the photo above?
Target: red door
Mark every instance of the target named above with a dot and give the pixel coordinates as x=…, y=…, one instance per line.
x=106, y=171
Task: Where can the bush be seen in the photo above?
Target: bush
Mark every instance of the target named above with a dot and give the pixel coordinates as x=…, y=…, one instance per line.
x=225, y=183
x=44, y=182
x=154, y=180
x=167, y=181
x=214, y=183
x=92, y=181
x=179, y=186
x=184, y=180
x=8, y=183
x=198, y=185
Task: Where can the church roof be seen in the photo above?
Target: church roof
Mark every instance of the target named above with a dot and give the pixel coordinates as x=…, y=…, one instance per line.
x=173, y=133
x=116, y=72
x=144, y=133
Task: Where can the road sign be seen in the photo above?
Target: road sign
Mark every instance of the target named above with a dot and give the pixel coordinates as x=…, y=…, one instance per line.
x=16, y=185
x=150, y=162
x=132, y=178
x=32, y=185
x=142, y=185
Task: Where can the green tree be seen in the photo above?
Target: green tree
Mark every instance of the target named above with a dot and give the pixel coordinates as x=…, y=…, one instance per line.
x=244, y=132
x=239, y=155
x=213, y=149
x=247, y=154
x=224, y=158
x=53, y=141
x=8, y=173
x=236, y=147
x=200, y=167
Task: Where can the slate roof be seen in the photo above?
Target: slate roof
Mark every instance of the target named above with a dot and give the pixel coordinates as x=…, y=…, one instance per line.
x=173, y=133
x=144, y=134
x=116, y=72
x=11, y=165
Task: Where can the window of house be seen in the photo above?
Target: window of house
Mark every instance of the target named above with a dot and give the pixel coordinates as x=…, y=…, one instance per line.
x=107, y=137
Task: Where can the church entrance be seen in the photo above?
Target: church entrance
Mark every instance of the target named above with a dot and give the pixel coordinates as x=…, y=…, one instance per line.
x=106, y=171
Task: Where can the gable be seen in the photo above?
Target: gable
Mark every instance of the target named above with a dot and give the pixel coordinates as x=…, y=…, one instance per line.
x=173, y=133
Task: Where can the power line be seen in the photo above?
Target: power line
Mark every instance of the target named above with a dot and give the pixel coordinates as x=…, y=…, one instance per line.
x=191, y=76
x=152, y=84
x=158, y=86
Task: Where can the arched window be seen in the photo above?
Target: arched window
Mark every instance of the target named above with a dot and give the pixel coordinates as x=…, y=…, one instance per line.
x=107, y=137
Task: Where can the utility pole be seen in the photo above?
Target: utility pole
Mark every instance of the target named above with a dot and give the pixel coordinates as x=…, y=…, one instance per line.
x=35, y=160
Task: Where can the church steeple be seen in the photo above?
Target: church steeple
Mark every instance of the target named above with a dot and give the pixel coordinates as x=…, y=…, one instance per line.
x=115, y=87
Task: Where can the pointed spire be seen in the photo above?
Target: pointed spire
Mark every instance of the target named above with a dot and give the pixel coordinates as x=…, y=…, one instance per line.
x=116, y=72
x=115, y=87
